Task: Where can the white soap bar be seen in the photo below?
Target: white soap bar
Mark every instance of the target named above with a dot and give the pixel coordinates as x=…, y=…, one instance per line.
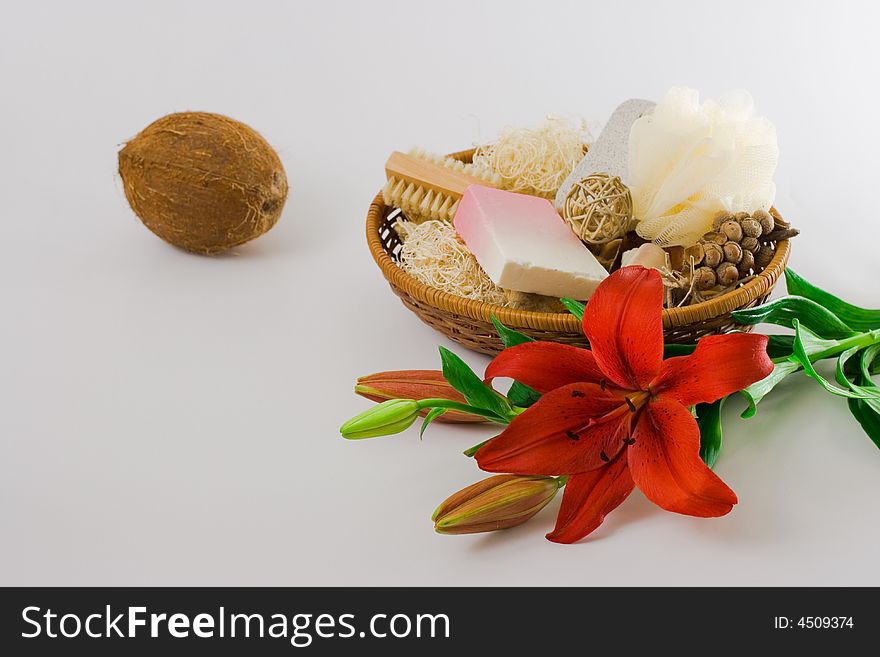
x=647, y=255
x=522, y=244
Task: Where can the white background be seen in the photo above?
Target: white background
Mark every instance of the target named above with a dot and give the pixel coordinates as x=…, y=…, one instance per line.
x=172, y=419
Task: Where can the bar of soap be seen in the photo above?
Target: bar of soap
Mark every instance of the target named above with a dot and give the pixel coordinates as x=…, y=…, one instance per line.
x=647, y=255
x=522, y=244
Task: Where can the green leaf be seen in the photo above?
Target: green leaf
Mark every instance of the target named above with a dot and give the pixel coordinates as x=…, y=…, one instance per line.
x=866, y=413
x=470, y=451
x=757, y=391
x=519, y=393
x=709, y=421
x=522, y=395
x=510, y=337
x=784, y=311
x=867, y=417
x=671, y=350
x=860, y=319
x=847, y=366
x=869, y=360
x=779, y=346
x=847, y=369
x=432, y=415
x=861, y=376
x=576, y=308
x=812, y=345
x=807, y=348
x=462, y=378
x=806, y=345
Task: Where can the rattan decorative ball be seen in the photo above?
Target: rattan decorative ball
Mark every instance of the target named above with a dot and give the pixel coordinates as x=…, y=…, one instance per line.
x=598, y=208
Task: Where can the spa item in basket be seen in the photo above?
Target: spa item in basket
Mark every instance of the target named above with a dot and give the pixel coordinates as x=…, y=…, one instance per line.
x=469, y=322
x=690, y=160
x=739, y=246
x=522, y=245
x=646, y=255
x=537, y=160
x=427, y=186
x=609, y=153
x=598, y=209
x=432, y=253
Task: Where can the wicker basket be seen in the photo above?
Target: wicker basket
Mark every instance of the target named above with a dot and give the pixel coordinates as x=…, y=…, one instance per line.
x=468, y=322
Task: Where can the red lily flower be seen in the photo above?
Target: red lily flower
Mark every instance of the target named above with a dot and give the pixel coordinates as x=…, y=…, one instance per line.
x=616, y=416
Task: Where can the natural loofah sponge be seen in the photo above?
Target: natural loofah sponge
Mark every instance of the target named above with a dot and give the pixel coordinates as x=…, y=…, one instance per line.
x=688, y=162
x=535, y=161
x=433, y=254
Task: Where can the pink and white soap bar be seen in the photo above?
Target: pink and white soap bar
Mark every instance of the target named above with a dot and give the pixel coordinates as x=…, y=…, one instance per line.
x=522, y=244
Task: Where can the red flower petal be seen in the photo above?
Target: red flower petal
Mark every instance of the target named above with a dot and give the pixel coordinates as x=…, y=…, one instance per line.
x=588, y=498
x=545, y=366
x=721, y=365
x=572, y=429
x=624, y=325
x=666, y=466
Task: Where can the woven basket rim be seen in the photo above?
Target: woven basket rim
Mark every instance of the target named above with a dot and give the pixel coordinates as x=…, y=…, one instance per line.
x=566, y=322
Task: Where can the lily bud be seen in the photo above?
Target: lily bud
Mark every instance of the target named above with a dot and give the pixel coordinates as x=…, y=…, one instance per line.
x=389, y=417
x=498, y=502
x=414, y=384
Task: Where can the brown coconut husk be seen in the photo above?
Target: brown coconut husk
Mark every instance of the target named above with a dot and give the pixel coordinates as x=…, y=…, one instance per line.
x=203, y=182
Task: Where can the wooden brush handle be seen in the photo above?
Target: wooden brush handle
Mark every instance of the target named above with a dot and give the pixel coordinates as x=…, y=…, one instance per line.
x=430, y=175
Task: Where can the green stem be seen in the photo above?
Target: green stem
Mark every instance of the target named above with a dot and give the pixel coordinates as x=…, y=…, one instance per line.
x=467, y=408
x=445, y=403
x=859, y=340
x=458, y=406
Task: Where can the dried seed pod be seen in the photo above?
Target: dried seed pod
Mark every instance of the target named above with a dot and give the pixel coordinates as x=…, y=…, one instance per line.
x=765, y=219
x=746, y=265
x=732, y=252
x=751, y=228
x=763, y=256
x=696, y=252
x=732, y=231
x=704, y=278
x=713, y=255
x=779, y=222
x=782, y=234
x=727, y=273
x=739, y=216
x=720, y=218
x=750, y=244
x=717, y=238
x=675, y=257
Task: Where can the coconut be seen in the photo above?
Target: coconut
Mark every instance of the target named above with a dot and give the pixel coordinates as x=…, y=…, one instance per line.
x=203, y=182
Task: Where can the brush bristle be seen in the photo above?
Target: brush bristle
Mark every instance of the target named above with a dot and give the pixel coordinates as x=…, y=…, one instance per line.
x=419, y=203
